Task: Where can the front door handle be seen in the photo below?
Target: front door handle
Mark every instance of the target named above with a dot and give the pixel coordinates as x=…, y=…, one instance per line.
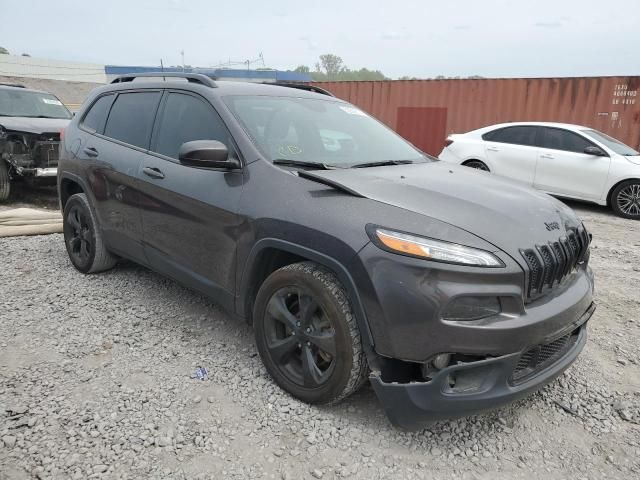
x=153, y=172
x=91, y=152
x=546, y=155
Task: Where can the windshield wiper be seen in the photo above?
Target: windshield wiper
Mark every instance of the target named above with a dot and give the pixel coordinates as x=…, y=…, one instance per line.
x=303, y=163
x=382, y=164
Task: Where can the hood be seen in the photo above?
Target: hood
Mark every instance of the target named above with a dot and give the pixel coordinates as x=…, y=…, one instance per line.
x=635, y=159
x=34, y=125
x=506, y=214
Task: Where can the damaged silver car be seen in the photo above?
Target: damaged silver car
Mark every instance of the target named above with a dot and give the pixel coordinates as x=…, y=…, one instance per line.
x=31, y=122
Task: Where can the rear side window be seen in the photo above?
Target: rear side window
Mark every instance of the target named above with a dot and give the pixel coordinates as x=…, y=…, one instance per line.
x=131, y=118
x=97, y=114
x=521, y=135
x=185, y=118
x=558, y=139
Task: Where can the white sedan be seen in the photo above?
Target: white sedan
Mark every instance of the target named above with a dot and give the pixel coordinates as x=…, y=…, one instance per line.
x=561, y=159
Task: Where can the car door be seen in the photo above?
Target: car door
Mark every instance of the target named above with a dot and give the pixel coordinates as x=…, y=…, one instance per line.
x=564, y=169
x=116, y=132
x=189, y=214
x=512, y=152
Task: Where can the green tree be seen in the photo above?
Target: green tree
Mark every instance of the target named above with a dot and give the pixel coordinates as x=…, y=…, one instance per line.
x=4, y=51
x=330, y=64
x=330, y=68
x=302, y=69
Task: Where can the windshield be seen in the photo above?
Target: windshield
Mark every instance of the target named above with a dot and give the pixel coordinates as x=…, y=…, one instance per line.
x=611, y=143
x=23, y=103
x=315, y=130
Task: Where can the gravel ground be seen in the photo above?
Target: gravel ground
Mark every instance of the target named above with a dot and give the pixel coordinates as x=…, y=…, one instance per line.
x=95, y=383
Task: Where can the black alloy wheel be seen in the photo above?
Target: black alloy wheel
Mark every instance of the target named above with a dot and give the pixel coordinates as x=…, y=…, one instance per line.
x=299, y=337
x=82, y=237
x=79, y=235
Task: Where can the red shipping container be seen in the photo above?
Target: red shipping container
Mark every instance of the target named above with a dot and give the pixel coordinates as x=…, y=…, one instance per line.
x=426, y=111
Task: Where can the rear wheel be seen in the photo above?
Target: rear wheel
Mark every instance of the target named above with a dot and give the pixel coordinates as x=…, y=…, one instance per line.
x=5, y=182
x=82, y=237
x=307, y=335
x=477, y=164
x=625, y=199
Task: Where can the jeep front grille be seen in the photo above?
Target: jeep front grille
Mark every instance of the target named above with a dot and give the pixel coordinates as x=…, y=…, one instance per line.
x=550, y=264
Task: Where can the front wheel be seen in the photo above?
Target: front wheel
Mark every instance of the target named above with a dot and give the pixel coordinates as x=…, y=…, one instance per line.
x=5, y=181
x=307, y=335
x=625, y=199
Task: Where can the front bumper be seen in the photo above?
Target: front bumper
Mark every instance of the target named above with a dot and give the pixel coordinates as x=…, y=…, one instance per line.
x=46, y=172
x=416, y=405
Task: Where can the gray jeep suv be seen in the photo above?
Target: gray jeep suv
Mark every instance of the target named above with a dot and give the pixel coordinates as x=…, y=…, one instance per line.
x=354, y=255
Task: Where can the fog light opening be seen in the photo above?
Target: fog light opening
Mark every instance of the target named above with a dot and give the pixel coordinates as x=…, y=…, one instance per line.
x=436, y=364
x=441, y=361
x=471, y=308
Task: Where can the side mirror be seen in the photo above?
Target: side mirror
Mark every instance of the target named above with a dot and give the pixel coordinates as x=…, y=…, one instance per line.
x=596, y=151
x=206, y=154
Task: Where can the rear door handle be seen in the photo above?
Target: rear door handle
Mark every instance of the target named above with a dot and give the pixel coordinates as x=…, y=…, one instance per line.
x=493, y=149
x=546, y=155
x=153, y=172
x=91, y=152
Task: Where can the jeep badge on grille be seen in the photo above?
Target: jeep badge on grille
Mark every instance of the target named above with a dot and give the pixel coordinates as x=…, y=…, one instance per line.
x=552, y=225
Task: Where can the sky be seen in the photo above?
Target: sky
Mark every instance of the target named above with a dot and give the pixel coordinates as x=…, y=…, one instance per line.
x=491, y=38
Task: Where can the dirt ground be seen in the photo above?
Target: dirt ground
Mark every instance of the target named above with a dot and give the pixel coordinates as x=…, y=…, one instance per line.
x=95, y=383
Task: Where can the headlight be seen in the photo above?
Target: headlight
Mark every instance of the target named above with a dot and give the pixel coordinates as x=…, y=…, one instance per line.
x=431, y=249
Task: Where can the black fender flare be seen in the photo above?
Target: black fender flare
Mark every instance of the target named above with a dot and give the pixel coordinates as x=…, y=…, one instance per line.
x=322, y=259
x=74, y=178
x=85, y=188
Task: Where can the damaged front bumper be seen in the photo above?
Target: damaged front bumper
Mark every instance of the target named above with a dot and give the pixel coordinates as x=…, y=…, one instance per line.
x=31, y=155
x=469, y=388
x=37, y=172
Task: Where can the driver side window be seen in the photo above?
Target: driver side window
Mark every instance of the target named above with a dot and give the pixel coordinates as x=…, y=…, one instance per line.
x=185, y=118
x=558, y=139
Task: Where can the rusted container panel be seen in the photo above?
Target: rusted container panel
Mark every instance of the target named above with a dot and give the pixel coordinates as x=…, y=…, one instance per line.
x=425, y=111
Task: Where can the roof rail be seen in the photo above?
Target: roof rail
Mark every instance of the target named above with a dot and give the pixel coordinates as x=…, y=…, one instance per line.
x=16, y=85
x=302, y=86
x=190, y=77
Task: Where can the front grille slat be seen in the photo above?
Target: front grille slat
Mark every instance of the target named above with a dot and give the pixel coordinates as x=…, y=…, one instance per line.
x=548, y=265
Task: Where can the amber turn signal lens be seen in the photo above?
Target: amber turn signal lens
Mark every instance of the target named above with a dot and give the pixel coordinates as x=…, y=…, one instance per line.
x=400, y=245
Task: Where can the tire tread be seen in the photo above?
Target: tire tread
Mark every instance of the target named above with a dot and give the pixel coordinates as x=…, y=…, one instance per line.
x=5, y=181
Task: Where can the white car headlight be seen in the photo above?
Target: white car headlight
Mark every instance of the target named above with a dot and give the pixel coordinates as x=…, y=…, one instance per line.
x=431, y=249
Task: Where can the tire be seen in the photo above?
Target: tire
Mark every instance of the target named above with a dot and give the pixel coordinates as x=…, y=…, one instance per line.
x=82, y=237
x=477, y=164
x=625, y=199
x=5, y=181
x=289, y=340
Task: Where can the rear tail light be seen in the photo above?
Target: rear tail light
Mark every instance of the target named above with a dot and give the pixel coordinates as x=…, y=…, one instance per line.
x=448, y=142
